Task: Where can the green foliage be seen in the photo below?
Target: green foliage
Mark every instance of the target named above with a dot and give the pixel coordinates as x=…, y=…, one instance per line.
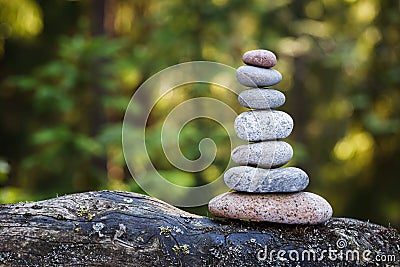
x=62, y=102
x=4, y=170
x=61, y=135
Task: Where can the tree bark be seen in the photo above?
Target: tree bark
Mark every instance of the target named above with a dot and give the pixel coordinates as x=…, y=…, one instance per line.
x=127, y=229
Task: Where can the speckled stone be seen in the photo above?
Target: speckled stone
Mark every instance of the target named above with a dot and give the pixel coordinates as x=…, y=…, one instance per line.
x=261, y=98
x=257, y=180
x=289, y=208
x=270, y=154
x=257, y=77
x=262, y=125
x=260, y=57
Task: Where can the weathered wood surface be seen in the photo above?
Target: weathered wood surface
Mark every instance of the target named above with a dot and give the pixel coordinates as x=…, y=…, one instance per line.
x=126, y=229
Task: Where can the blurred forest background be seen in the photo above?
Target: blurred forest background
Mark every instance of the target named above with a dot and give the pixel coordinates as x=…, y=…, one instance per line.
x=69, y=68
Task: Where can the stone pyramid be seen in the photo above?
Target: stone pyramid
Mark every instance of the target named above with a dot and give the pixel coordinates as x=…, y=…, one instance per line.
x=263, y=190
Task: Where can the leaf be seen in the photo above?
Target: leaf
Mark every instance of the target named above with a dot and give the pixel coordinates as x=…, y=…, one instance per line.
x=118, y=103
x=88, y=144
x=24, y=83
x=111, y=134
x=48, y=135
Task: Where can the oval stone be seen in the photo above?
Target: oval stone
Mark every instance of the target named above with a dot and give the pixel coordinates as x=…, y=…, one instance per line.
x=266, y=155
x=292, y=208
x=262, y=125
x=261, y=98
x=260, y=57
x=257, y=77
x=257, y=180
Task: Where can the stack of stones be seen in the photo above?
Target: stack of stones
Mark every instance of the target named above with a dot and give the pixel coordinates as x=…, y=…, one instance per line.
x=263, y=191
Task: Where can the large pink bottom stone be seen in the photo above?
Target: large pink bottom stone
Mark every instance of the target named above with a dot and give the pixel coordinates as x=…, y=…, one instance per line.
x=293, y=208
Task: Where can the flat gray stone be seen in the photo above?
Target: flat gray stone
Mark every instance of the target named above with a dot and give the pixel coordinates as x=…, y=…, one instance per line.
x=257, y=77
x=270, y=154
x=259, y=57
x=257, y=180
x=263, y=125
x=261, y=98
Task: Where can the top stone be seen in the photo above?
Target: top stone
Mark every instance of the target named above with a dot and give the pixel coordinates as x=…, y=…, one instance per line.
x=260, y=57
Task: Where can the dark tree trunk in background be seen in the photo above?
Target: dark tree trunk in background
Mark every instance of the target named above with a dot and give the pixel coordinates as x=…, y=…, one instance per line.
x=301, y=111
x=297, y=95
x=97, y=113
x=126, y=229
x=98, y=15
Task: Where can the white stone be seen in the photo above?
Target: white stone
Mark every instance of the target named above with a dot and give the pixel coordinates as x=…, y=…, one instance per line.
x=266, y=155
x=257, y=180
x=261, y=98
x=262, y=125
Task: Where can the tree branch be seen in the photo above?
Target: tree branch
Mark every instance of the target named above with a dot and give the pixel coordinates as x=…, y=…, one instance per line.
x=127, y=229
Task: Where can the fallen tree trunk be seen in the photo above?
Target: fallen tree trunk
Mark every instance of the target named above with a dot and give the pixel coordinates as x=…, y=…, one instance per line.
x=126, y=229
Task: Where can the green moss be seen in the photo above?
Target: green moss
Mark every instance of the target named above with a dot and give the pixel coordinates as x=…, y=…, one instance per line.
x=166, y=231
x=184, y=249
x=84, y=211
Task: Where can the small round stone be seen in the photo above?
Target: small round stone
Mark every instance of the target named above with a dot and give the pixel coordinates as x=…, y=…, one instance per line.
x=261, y=98
x=257, y=77
x=256, y=180
x=265, y=155
x=289, y=208
x=259, y=57
x=262, y=125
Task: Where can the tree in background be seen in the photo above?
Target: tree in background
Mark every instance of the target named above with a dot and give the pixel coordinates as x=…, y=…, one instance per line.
x=69, y=68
